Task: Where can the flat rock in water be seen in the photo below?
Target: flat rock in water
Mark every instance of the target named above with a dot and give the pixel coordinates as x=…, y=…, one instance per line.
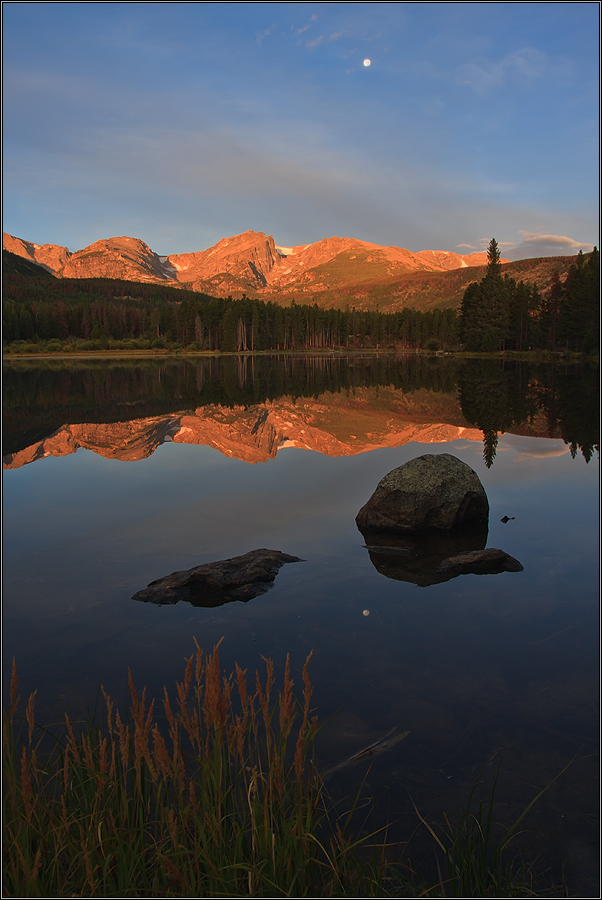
x=434, y=492
x=215, y=583
x=480, y=562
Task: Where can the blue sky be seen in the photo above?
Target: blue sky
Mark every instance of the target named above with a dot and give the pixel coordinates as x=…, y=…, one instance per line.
x=183, y=123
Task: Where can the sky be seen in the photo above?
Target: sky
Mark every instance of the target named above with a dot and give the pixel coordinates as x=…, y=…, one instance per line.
x=184, y=123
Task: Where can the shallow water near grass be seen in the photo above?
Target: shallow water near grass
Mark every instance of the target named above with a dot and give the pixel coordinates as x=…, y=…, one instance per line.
x=473, y=668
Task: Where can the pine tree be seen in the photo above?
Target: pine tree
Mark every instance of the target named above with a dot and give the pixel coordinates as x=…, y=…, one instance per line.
x=494, y=266
x=228, y=330
x=579, y=316
x=520, y=305
x=555, y=294
x=468, y=331
x=485, y=310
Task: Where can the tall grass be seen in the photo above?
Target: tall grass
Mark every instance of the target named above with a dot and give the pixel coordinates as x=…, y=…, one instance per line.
x=221, y=801
x=474, y=852
x=217, y=796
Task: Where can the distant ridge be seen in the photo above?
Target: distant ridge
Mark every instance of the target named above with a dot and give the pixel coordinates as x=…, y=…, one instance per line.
x=333, y=272
x=50, y=256
x=251, y=258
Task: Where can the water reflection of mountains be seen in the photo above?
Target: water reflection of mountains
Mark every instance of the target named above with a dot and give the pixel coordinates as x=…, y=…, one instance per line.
x=251, y=407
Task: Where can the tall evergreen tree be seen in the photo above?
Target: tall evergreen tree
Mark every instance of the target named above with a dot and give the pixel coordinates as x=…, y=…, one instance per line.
x=493, y=310
x=552, y=309
x=485, y=310
x=579, y=317
x=494, y=266
x=467, y=328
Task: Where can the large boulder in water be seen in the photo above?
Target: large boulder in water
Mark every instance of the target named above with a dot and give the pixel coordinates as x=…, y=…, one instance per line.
x=434, y=492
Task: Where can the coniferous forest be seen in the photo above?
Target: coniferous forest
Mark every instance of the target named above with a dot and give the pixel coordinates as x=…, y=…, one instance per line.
x=497, y=313
x=44, y=313
x=97, y=312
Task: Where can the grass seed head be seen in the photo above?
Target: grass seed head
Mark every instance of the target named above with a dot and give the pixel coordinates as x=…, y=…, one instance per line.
x=29, y=714
x=26, y=789
x=14, y=682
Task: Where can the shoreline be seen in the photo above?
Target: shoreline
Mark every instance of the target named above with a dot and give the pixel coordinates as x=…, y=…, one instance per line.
x=526, y=355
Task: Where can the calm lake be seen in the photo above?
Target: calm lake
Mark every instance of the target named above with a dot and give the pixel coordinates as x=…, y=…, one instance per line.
x=120, y=472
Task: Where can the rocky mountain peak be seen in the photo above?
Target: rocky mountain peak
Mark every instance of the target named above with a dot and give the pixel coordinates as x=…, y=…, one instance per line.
x=117, y=257
x=249, y=256
x=50, y=256
x=250, y=261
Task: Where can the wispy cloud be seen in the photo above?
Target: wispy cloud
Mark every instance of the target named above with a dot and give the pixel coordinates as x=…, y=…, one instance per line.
x=537, y=244
x=533, y=244
x=308, y=26
x=260, y=35
x=483, y=244
x=484, y=75
x=315, y=42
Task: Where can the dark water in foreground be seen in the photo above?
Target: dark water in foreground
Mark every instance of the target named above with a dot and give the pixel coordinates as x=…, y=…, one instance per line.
x=473, y=667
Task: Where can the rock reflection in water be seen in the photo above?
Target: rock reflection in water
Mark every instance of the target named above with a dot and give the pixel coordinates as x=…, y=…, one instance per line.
x=203, y=598
x=416, y=558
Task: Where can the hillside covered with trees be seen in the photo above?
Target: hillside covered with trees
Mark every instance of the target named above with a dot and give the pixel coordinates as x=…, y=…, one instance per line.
x=42, y=313
x=94, y=313
x=423, y=291
x=497, y=313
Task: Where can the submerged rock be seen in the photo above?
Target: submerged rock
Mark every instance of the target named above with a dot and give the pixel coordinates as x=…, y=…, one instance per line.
x=480, y=562
x=215, y=583
x=434, y=492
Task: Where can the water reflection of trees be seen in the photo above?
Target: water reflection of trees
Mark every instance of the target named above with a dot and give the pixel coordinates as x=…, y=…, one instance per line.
x=579, y=410
x=499, y=396
x=495, y=395
x=41, y=397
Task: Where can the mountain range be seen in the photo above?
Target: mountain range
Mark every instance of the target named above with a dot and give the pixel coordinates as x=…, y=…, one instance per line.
x=334, y=272
x=250, y=261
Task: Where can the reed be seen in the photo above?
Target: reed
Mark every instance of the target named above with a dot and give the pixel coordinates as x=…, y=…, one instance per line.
x=214, y=795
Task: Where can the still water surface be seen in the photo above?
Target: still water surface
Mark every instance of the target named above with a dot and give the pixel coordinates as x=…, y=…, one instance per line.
x=472, y=667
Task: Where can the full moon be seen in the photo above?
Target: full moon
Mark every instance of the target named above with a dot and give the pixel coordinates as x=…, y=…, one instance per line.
x=366, y=62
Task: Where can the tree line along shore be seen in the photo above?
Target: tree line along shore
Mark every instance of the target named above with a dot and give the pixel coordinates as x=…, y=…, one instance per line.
x=42, y=313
